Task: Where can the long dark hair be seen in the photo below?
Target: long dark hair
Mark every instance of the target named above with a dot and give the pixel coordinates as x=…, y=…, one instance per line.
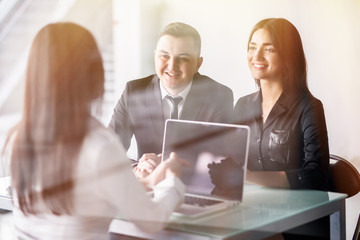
x=287, y=42
x=64, y=75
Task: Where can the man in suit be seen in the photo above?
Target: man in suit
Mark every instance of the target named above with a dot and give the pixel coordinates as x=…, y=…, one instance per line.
x=144, y=105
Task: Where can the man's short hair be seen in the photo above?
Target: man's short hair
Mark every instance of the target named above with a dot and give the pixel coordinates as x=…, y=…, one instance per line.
x=179, y=29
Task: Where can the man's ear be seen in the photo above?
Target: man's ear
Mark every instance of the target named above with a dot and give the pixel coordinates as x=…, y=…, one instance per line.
x=199, y=63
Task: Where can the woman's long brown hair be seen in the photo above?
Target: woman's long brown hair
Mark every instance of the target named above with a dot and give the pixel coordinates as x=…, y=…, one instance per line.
x=64, y=75
x=287, y=42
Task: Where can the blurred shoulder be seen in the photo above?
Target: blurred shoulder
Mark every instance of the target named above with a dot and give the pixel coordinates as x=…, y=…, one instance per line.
x=141, y=82
x=99, y=137
x=308, y=101
x=248, y=99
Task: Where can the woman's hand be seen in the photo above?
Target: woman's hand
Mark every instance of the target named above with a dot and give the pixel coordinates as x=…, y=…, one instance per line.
x=175, y=165
x=172, y=166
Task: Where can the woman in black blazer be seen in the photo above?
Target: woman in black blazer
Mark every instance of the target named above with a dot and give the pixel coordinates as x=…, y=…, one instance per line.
x=289, y=143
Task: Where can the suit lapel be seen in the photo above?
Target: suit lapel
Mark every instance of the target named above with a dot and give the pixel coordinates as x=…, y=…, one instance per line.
x=195, y=99
x=154, y=107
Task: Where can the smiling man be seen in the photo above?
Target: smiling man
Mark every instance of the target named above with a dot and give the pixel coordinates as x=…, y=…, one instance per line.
x=177, y=90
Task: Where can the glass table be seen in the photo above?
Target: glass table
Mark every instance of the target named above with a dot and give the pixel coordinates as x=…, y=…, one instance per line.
x=263, y=212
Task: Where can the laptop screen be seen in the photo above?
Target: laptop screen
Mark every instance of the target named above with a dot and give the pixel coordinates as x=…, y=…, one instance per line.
x=202, y=143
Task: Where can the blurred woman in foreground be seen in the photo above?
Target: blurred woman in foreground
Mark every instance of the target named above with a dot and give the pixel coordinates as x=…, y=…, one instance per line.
x=70, y=176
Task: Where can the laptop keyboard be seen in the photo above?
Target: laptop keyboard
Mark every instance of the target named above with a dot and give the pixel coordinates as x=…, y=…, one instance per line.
x=192, y=200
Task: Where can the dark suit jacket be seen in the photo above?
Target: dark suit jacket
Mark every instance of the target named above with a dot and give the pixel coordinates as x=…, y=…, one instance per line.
x=139, y=111
x=293, y=138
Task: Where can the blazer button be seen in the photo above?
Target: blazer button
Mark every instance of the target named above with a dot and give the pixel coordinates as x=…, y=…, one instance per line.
x=258, y=140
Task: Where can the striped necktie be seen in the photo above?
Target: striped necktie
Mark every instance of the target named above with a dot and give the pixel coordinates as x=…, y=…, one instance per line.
x=175, y=106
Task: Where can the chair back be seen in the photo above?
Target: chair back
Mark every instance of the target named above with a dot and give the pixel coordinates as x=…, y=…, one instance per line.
x=344, y=177
x=356, y=235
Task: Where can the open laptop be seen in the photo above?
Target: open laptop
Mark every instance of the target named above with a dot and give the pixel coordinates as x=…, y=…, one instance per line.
x=203, y=143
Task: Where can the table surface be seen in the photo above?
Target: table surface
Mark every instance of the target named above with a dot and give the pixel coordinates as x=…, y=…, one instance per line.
x=263, y=210
x=261, y=207
x=5, y=200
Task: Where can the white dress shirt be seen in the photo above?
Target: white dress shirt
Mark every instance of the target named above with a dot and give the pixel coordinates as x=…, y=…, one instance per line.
x=167, y=105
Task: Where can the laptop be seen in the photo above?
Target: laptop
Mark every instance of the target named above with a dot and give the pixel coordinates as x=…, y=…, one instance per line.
x=203, y=143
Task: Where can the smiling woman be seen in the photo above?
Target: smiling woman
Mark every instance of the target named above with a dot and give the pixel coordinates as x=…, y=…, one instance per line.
x=288, y=143
x=263, y=59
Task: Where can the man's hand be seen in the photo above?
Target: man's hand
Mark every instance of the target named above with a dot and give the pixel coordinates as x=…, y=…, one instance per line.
x=147, y=164
x=172, y=166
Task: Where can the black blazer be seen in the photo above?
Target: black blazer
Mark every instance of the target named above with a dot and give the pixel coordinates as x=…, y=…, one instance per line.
x=293, y=138
x=139, y=111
